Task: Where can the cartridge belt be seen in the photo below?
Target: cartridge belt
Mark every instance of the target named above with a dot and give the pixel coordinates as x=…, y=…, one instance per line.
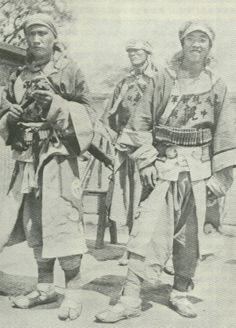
x=182, y=137
x=28, y=132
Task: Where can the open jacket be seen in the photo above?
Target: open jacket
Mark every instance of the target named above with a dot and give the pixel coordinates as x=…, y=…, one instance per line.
x=209, y=164
x=56, y=177
x=139, y=133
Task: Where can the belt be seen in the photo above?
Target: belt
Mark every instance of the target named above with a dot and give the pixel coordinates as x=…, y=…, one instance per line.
x=182, y=137
x=29, y=131
x=28, y=135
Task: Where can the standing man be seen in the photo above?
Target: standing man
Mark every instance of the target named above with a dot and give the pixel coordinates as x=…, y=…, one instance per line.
x=190, y=153
x=45, y=118
x=125, y=187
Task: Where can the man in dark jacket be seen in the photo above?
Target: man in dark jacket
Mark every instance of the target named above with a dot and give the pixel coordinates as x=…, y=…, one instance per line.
x=125, y=188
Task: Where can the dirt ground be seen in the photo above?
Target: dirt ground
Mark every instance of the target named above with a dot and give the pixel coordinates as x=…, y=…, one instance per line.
x=102, y=278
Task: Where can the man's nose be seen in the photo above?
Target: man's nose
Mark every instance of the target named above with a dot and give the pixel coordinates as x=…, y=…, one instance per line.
x=36, y=39
x=196, y=43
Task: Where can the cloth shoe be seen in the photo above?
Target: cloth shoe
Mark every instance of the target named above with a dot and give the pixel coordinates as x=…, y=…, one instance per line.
x=71, y=306
x=179, y=302
x=123, y=261
x=43, y=294
x=127, y=307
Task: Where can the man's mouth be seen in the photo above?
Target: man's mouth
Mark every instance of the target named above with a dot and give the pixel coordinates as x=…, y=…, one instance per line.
x=37, y=47
x=196, y=51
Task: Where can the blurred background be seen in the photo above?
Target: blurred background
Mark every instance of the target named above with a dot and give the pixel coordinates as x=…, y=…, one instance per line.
x=96, y=31
x=100, y=29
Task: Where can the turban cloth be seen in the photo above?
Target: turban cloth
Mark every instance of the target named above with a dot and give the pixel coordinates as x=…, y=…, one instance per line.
x=139, y=44
x=192, y=26
x=40, y=19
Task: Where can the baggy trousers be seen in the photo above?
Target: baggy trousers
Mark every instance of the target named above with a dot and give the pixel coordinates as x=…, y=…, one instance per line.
x=167, y=225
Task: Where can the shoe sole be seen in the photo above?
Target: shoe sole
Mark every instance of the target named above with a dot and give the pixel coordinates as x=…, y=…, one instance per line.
x=176, y=309
x=134, y=315
x=37, y=303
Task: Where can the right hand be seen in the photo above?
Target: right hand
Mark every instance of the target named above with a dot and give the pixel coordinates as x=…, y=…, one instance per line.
x=15, y=112
x=148, y=176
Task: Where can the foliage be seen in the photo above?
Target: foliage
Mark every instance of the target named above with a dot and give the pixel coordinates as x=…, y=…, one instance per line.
x=13, y=13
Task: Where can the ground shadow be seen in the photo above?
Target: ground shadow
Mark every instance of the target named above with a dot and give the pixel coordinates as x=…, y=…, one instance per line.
x=14, y=285
x=111, y=286
x=109, y=252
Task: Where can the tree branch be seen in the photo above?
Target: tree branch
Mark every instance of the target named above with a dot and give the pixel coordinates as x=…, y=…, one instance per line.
x=10, y=36
x=3, y=4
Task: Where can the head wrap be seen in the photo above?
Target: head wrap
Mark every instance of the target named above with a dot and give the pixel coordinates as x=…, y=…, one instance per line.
x=196, y=25
x=139, y=44
x=40, y=19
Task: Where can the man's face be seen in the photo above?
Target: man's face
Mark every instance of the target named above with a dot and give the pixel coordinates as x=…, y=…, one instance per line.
x=40, y=40
x=137, y=57
x=196, y=46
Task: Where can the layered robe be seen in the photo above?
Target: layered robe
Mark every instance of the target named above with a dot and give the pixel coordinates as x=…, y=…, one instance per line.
x=191, y=103
x=48, y=172
x=125, y=189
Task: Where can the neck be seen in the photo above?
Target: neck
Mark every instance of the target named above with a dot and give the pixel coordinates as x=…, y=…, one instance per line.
x=140, y=68
x=38, y=61
x=192, y=69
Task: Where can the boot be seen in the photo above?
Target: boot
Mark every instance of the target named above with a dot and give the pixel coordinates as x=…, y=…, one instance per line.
x=127, y=307
x=43, y=294
x=179, y=302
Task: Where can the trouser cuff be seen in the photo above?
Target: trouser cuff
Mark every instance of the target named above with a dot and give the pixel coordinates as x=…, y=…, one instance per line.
x=130, y=302
x=183, y=284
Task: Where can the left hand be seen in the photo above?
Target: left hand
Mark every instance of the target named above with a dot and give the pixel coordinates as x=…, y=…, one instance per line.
x=211, y=197
x=43, y=98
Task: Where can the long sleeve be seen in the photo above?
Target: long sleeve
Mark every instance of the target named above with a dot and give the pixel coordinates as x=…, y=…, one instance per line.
x=71, y=112
x=224, y=142
x=146, y=115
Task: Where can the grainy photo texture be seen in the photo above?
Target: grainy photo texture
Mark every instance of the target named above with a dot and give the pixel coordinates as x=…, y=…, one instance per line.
x=117, y=163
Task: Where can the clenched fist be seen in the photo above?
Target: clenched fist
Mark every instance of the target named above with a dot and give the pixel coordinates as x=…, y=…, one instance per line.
x=43, y=98
x=148, y=176
x=15, y=112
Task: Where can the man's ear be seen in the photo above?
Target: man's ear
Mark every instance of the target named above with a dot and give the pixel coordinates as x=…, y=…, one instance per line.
x=59, y=46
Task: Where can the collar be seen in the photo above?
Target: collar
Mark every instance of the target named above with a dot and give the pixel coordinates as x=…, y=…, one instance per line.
x=172, y=67
x=149, y=71
x=57, y=63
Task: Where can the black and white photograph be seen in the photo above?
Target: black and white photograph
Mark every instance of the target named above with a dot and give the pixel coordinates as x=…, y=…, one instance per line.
x=117, y=164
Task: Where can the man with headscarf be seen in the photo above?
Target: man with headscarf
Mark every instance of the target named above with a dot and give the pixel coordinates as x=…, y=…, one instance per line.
x=46, y=118
x=187, y=126
x=125, y=187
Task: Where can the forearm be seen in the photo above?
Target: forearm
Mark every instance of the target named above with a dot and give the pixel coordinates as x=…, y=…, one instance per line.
x=4, y=127
x=221, y=181
x=139, y=144
x=58, y=114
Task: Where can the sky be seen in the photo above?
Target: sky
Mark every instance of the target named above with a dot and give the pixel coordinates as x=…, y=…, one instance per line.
x=101, y=28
